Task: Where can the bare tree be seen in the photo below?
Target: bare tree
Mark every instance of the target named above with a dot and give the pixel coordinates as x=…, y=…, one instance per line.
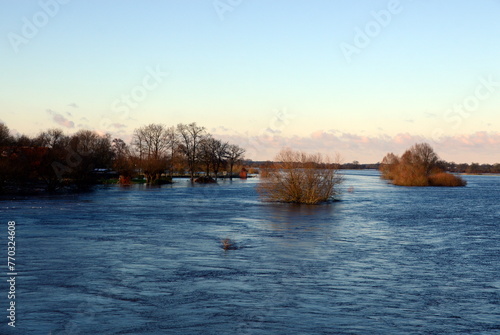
x=423, y=154
x=212, y=153
x=5, y=137
x=152, y=139
x=152, y=143
x=120, y=148
x=219, y=153
x=190, y=136
x=85, y=142
x=298, y=177
x=173, y=141
x=94, y=150
x=234, y=154
x=123, y=162
x=51, y=168
x=205, y=153
x=52, y=138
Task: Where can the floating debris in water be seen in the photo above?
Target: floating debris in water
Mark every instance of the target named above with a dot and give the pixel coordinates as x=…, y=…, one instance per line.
x=228, y=244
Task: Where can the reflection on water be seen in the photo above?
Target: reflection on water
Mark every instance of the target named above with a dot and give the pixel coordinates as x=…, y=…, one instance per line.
x=294, y=213
x=141, y=260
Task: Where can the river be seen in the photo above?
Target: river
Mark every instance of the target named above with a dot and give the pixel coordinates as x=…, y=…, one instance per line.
x=148, y=260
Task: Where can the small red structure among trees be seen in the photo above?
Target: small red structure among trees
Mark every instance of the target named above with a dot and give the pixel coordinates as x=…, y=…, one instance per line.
x=243, y=173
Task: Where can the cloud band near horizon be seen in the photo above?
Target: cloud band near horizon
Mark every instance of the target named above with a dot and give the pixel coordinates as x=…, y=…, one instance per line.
x=478, y=146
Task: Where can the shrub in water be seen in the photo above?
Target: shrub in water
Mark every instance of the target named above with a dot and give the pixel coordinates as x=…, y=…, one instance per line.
x=446, y=179
x=419, y=166
x=297, y=177
x=228, y=244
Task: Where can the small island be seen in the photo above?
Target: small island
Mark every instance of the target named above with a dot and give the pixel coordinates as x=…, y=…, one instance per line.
x=418, y=166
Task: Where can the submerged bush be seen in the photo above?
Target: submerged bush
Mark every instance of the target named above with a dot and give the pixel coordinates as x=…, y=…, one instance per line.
x=228, y=244
x=446, y=179
x=297, y=177
x=419, y=166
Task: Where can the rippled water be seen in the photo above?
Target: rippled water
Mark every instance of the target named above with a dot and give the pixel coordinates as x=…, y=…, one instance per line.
x=137, y=260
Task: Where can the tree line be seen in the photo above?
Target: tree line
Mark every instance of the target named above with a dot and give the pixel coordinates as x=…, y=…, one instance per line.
x=474, y=168
x=53, y=159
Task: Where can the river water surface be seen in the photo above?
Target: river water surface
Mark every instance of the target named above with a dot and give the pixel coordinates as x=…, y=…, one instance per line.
x=137, y=260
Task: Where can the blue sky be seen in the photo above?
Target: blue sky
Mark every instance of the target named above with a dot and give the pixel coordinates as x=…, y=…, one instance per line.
x=360, y=78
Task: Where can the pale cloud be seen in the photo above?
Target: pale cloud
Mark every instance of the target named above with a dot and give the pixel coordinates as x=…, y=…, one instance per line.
x=118, y=125
x=370, y=149
x=478, y=139
x=73, y=105
x=273, y=131
x=317, y=134
x=431, y=115
x=60, y=119
x=220, y=129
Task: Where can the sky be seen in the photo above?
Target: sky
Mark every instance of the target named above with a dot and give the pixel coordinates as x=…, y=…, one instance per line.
x=357, y=78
